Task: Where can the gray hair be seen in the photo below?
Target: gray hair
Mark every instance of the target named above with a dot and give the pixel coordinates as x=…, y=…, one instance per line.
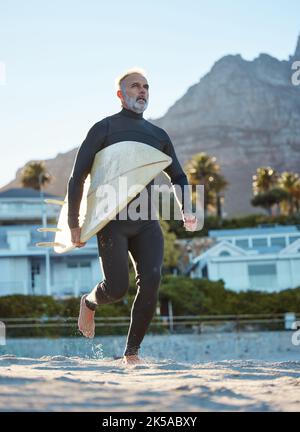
x=119, y=80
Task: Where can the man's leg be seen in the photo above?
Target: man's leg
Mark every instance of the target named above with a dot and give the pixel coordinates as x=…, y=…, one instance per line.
x=113, y=251
x=146, y=250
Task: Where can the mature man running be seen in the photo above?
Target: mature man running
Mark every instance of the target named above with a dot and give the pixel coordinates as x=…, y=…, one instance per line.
x=143, y=239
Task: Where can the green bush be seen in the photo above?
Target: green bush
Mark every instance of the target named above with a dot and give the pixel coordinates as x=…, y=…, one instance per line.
x=24, y=306
x=188, y=297
x=204, y=297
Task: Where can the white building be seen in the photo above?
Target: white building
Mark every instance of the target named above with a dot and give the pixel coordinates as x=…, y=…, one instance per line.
x=28, y=269
x=263, y=258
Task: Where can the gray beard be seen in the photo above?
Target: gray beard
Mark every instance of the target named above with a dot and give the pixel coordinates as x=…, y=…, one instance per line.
x=134, y=105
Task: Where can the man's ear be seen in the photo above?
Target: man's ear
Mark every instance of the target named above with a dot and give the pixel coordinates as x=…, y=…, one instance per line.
x=120, y=95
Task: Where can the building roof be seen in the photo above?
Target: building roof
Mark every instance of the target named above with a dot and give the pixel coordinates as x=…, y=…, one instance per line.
x=276, y=250
x=24, y=193
x=261, y=230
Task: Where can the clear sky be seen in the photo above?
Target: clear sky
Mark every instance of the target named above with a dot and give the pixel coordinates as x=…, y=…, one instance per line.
x=61, y=58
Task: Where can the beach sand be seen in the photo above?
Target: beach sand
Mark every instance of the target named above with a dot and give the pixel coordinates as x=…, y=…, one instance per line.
x=61, y=383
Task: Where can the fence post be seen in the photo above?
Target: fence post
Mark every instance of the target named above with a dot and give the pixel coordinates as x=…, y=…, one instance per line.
x=289, y=319
x=2, y=333
x=170, y=313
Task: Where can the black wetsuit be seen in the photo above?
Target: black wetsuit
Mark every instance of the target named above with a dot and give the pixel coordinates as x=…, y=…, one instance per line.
x=142, y=238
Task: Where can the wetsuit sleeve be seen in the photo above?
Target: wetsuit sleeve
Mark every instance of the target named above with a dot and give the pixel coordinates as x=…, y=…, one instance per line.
x=82, y=166
x=177, y=176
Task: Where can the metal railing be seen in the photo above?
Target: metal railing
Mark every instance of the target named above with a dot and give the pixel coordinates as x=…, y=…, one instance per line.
x=197, y=322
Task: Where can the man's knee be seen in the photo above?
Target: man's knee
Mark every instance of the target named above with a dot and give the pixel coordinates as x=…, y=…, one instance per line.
x=152, y=277
x=156, y=272
x=115, y=290
x=121, y=293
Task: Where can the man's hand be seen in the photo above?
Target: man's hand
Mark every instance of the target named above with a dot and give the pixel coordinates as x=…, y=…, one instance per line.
x=190, y=222
x=75, y=237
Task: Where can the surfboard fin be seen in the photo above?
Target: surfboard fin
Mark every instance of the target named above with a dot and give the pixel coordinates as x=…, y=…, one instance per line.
x=54, y=201
x=49, y=229
x=50, y=244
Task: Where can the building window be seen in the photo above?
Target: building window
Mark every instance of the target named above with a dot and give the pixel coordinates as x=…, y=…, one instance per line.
x=79, y=264
x=262, y=276
x=259, y=242
x=242, y=243
x=18, y=240
x=80, y=277
x=292, y=239
x=278, y=241
x=35, y=271
x=224, y=253
x=205, y=272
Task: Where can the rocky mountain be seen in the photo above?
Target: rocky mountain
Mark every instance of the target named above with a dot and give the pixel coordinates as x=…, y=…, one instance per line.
x=246, y=113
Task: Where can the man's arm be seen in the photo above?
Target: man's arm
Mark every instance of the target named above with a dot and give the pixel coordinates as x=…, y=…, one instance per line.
x=82, y=167
x=177, y=176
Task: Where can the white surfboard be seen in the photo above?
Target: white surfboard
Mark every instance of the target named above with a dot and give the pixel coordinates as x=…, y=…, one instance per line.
x=139, y=162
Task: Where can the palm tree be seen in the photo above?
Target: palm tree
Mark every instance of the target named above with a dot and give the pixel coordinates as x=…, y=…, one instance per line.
x=203, y=169
x=35, y=175
x=263, y=182
x=296, y=194
x=290, y=182
x=268, y=199
x=219, y=186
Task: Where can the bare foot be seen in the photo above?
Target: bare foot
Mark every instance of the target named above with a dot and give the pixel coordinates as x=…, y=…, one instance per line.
x=86, y=322
x=132, y=359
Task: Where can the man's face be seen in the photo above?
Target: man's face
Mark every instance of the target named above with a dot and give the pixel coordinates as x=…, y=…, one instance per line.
x=135, y=93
